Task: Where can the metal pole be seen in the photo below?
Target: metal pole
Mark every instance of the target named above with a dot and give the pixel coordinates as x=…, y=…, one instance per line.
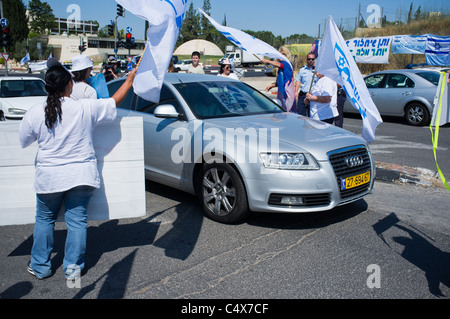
x=115, y=38
x=4, y=49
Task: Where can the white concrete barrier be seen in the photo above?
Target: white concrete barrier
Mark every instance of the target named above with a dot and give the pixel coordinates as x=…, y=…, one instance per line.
x=120, y=154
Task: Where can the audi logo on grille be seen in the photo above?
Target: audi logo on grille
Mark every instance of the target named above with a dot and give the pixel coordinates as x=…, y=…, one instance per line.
x=354, y=161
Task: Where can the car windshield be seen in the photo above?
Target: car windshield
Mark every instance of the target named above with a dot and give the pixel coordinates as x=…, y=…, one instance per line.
x=21, y=88
x=430, y=76
x=224, y=99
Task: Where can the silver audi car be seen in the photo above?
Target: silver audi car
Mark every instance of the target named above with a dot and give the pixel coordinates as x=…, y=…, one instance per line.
x=238, y=151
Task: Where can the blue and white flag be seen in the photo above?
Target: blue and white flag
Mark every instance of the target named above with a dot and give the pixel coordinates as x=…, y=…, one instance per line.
x=165, y=18
x=247, y=42
x=336, y=62
x=25, y=59
x=409, y=44
x=437, y=51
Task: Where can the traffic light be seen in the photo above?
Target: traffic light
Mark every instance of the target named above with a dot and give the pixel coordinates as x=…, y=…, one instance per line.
x=128, y=43
x=120, y=43
x=82, y=47
x=119, y=10
x=111, y=29
x=6, y=37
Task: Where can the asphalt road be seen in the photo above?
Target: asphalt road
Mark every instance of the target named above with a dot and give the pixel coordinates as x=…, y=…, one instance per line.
x=393, y=244
x=176, y=253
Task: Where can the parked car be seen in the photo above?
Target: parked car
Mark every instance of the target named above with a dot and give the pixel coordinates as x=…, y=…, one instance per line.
x=184, y=65
x=18, y=94
x=238, y=151
x=407, y=93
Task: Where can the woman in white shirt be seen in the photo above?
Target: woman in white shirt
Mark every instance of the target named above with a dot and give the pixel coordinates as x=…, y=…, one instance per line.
x=225, y=70
x=81, y=69
x=66, y=165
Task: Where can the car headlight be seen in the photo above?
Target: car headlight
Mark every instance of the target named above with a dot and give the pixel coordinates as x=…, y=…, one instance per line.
x=16, y=111
x=290, y=161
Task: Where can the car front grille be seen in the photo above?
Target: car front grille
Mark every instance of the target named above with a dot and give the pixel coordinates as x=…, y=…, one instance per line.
x=359, y=159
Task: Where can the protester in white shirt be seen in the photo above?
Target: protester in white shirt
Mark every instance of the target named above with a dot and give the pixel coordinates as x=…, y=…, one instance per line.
x=323, y=100
x=225, y=70
x=66, y=165
x=81, y=69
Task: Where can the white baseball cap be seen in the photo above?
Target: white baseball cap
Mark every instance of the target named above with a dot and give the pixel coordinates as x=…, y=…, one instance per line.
x=81, y=62
x=226, y=61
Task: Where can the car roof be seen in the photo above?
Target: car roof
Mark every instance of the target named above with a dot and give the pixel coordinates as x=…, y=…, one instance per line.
x=174, y=78
x=4, y=78
x=408, y=71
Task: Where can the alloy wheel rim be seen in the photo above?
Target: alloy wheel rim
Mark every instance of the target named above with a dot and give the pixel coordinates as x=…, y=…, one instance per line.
x=416, y=114
x=219, y=194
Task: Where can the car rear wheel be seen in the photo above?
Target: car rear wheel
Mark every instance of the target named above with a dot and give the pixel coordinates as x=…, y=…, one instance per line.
x=222, y=193
x=417, y=114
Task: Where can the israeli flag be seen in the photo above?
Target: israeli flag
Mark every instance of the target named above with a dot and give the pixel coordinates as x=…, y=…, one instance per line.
x=247, y=42
x=336, y=62
x=165, y=18
x=437, y=50
x=25, y=59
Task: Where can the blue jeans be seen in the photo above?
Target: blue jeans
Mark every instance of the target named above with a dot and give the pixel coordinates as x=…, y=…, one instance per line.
x=75, y=201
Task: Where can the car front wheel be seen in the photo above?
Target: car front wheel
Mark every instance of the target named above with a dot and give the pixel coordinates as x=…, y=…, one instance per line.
x=417, y=114
x=222, y=193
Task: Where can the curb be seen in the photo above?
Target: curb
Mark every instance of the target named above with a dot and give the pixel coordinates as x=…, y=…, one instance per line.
x=394, y=173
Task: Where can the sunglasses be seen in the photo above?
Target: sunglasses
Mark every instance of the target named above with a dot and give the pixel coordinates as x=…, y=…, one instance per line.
x=311, y=59
x=227, y=68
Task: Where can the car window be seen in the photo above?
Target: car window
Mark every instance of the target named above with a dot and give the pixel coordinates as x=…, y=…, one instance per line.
x=432, y=77
x=127, y=102
x=223, y=98
x=374, y=81
x=166, y=97
x=20, y=88
x=395, y=80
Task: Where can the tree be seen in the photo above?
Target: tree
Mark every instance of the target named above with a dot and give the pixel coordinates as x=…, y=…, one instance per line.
x=21, y=49
x=41, y=16
x=15, y=12
x=410, y=13
x=268, y=37
x=298, y=38
x=207, y=28
x=191, y=28
x=418, y=14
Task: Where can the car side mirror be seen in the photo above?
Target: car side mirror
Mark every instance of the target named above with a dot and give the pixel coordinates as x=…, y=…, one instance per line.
x=166, y=111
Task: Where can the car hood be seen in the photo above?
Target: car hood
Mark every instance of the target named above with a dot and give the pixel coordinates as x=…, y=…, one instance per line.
x=296, y=133
x=24, y=102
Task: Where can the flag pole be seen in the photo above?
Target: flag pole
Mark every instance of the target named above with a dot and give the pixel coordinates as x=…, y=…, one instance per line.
x=312, y=80
x=310, y=87
x=140, y=59
x=257, y=57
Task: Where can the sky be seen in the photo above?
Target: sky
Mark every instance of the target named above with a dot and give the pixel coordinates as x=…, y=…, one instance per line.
x=281, y=17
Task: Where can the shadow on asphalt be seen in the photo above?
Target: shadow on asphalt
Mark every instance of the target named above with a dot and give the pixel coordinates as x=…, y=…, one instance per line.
x=179, y=242
x=417, y=248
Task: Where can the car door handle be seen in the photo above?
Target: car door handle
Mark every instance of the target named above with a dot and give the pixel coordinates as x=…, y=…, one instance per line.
x=406, y=93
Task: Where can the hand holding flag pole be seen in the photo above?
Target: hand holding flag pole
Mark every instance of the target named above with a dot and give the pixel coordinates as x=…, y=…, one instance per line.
x=309, y=91
x=165, y=19
x=336, y=62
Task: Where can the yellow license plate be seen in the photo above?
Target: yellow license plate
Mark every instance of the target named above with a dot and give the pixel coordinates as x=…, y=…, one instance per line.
x=354, y=181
